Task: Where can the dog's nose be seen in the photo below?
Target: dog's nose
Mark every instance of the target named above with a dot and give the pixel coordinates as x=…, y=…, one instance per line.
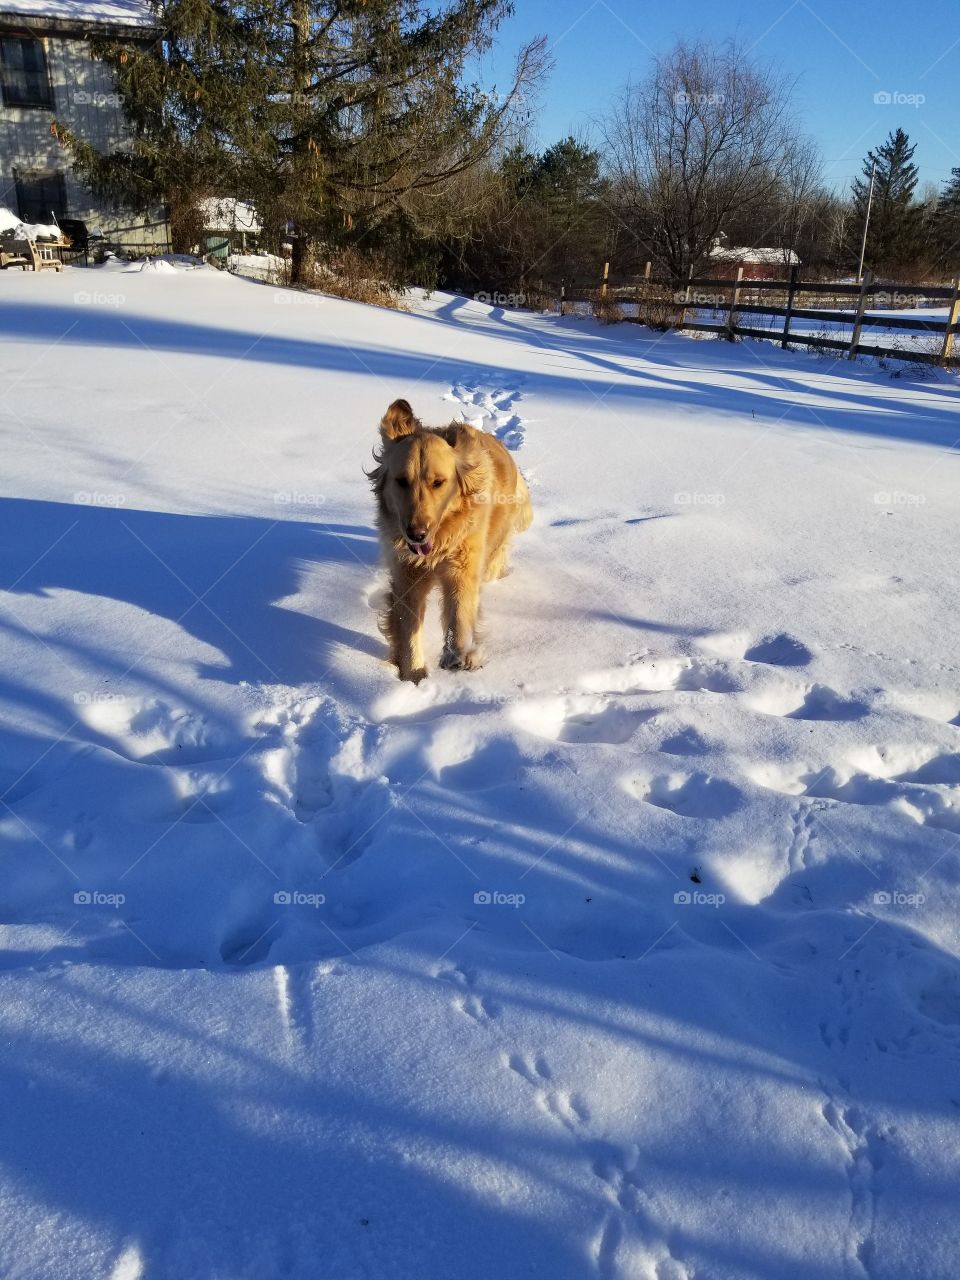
x=416, y=535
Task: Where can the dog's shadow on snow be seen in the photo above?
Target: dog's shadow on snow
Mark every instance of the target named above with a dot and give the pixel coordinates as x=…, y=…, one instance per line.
x=225, y=580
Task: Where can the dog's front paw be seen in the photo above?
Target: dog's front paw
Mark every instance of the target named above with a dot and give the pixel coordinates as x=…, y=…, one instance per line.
x=416, y=675
x=470, y=660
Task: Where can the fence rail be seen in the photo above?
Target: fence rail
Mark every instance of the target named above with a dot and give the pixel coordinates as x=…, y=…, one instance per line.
x=665, y=304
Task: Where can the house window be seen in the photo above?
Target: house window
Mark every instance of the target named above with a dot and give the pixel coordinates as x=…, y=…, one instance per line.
x=23, y=73
x=41, y=197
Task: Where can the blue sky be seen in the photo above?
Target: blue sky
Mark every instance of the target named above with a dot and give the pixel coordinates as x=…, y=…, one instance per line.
x=844, y=53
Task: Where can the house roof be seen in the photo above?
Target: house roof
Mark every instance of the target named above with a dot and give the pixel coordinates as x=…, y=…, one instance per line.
x=724, y=253
x=111, y=13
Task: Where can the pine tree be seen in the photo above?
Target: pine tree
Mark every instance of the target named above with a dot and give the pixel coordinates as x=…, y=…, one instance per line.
x=330, y=115
x=541, y=217
x=894, y=239
x=945, y=223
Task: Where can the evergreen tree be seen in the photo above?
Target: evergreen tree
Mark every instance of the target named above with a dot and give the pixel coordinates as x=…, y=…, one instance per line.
x=895, y=237
x=544, y=217
x=330, y=115
x=945, y=223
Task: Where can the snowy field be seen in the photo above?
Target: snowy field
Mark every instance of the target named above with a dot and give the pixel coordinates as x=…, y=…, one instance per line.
x=632, y=956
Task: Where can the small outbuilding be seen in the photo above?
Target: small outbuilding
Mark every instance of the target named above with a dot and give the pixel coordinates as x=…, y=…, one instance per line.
x=757, y=263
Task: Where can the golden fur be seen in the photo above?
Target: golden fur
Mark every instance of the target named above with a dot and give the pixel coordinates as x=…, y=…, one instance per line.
x=449, y=500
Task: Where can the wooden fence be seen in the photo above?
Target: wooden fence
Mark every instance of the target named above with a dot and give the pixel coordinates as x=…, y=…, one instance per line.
x=734, y=303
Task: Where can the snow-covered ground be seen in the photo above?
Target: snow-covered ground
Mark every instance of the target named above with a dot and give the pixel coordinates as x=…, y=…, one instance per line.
x=633, y=955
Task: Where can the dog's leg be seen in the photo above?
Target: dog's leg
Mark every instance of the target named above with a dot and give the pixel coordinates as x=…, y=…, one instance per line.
x=408, y=604
x=461, y=610
x=498, y=563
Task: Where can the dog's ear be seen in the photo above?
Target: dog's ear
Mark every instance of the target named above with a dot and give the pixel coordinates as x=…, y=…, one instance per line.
x=398, y=421
x=472, y=463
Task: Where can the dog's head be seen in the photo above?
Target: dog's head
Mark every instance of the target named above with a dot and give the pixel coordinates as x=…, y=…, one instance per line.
x=422, y=475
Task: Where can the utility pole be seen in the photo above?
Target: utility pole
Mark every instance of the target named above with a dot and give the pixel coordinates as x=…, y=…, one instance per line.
x=866, y=221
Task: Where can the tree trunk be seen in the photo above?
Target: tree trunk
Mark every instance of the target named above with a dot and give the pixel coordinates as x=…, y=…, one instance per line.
x=299, y=22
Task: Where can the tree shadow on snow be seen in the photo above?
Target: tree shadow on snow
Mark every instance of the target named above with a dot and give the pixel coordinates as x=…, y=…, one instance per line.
x=602, y=364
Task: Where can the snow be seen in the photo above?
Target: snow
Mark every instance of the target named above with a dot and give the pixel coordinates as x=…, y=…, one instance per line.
x=134, y=13
x=27, y=230
x=634, y=954
x=257, y=266
x=229, y=214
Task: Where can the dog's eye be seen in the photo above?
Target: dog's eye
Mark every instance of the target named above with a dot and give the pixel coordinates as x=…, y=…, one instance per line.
x=403, y=482
x=437, y=484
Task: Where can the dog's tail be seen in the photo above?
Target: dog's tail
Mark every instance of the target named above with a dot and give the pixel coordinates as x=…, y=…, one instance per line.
x=524, y=508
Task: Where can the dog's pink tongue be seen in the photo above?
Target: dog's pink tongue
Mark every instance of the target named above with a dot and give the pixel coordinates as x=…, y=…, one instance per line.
x=424, y=548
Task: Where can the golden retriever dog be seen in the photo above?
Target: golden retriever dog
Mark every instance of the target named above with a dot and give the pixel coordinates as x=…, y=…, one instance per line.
x=449, y=500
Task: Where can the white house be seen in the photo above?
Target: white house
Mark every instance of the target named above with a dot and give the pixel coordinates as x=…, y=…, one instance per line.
x=48, y=73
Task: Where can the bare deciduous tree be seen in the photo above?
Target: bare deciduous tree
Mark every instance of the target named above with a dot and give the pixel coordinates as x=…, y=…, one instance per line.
x=707, y=134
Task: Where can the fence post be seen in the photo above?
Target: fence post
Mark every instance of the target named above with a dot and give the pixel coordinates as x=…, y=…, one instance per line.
x=563, y=295
x=946, y=351
x=791, y=294
x=603, y=286
x=858, y=318
x=687, y=295
x=647, y=269
x=731, y=317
